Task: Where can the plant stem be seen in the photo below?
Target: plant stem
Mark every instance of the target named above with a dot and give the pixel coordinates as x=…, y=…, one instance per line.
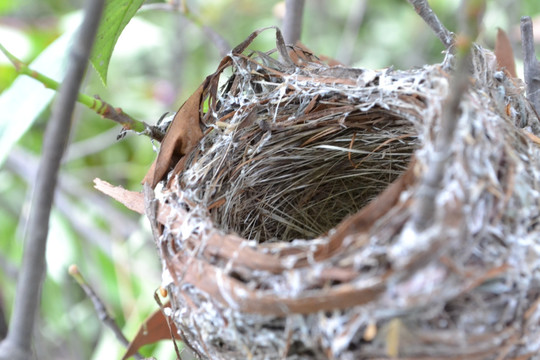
x=292, y=23
x=530, y=63
x=423, y=9
x=18, y=343
x=181, y=7
x=425, y=207
x=100, y=308
x=96, y=104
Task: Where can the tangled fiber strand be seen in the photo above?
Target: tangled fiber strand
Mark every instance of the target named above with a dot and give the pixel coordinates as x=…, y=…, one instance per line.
x=287, y=232
x=271, y=181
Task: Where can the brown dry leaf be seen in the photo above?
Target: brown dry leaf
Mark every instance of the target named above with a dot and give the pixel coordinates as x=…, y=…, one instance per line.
x=310, y=56
x=182, y=136
x=131, y=199
x=330, y=61
x=504, y=53
x=154, y=328
x=300, y=55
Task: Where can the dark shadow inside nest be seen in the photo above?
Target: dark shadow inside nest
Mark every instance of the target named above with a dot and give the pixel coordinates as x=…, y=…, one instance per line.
x=305, y=182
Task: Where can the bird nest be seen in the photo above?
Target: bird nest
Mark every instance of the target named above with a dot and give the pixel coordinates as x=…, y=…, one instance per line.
x=287, y=230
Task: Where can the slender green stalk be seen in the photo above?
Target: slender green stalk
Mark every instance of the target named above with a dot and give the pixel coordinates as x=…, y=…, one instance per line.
x=96, y=104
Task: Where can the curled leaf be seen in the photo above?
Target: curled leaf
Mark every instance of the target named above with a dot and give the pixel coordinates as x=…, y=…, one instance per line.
x=182, y=136
x=154, y=328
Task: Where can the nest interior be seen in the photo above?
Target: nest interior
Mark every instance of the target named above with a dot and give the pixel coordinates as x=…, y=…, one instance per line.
x=299, y=175
x=287, y=231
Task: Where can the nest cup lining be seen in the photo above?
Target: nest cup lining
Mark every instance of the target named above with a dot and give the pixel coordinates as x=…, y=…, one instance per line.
x=305, y=181
x=287, y=158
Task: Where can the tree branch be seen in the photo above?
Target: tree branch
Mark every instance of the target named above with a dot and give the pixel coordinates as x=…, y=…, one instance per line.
x=219, y=41
x=99, y=106
x=18, y=344
x=292, y=23
x=100, y=308
x=350, y=32
x=425, y=207
x=530, y=63
x=423, y=9
x=25, y=165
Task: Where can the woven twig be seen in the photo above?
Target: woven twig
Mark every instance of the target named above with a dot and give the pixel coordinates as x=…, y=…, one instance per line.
x=287, y=231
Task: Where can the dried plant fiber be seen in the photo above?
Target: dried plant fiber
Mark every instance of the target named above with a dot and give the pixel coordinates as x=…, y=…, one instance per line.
x=286, y=231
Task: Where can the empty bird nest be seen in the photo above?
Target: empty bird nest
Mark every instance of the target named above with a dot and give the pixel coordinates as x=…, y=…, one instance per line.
x=285, y=204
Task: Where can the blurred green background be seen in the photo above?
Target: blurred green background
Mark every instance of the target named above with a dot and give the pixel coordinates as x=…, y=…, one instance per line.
x=159, y=60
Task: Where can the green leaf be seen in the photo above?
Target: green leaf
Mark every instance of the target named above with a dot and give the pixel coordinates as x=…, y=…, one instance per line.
x=116, y=15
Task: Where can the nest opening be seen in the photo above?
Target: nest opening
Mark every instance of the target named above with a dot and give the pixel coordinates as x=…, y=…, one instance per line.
x=289, y=152
x=304, y=184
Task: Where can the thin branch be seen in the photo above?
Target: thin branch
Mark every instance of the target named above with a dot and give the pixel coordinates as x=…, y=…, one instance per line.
x=350, y=32
x=3, y=323
x=18, y=344
x=10, y=272
x=530, y=63
x=425, y=207
x=219, y=41
x=292, y=23
x=423, y=9
x=100, y=308
x=95, y=104
x=25, y=165
x=92, y=145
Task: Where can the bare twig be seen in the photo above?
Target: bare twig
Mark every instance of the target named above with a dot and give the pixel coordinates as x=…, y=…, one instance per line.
x=292, y=23
x=161, y=307
x=25, y=165
x=424, y=10
x=100, y=308
x=18, y=344
x=350, y=32
x=92, y=145
x=425, y=206
x=219, y=41
x=530, y=63
x=3, y=324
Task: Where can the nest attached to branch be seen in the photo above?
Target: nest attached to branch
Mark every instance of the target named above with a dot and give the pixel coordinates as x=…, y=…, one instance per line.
x=287, y=230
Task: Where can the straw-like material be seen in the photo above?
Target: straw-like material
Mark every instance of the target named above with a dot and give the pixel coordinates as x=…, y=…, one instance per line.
x=287, y=232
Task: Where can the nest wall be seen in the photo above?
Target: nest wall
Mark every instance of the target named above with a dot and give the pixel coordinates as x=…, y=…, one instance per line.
x=287, y=232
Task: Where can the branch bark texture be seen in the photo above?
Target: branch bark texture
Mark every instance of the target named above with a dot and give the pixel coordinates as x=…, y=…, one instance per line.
x=471, y=16
x=423, y=9
x=219, y=41
x=100, y=308
x=292, y=23
x=530, y=63
x=18, y=344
